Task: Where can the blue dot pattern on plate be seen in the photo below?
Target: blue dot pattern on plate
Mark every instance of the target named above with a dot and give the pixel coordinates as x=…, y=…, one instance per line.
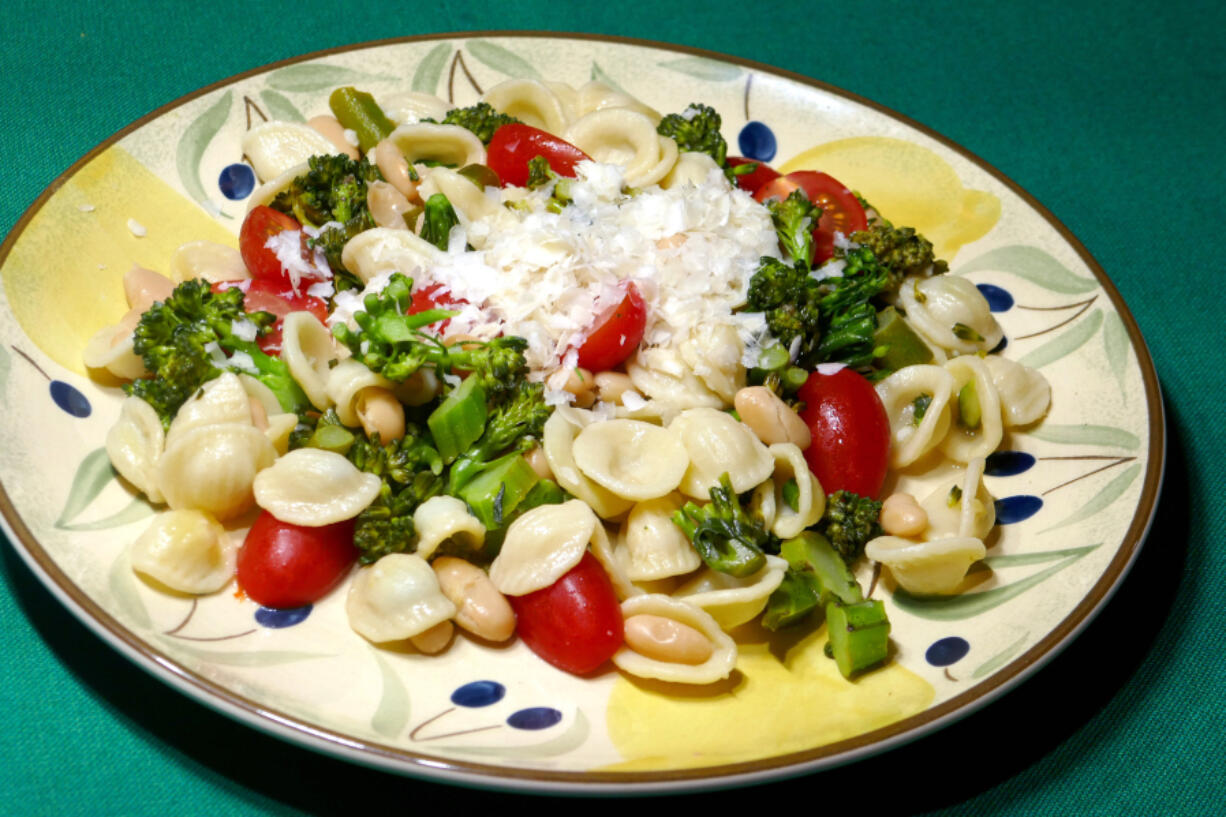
x=946, y=651
x=537, y=717
x=479, y=693
x=757, y=141
x=236, y=181
x=999, y=300
x=69, y=399
x=1008, y=463
x=1013, y=509
x=278, y=619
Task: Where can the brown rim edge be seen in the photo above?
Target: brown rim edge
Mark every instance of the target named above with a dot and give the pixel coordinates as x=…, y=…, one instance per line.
x=773, y=768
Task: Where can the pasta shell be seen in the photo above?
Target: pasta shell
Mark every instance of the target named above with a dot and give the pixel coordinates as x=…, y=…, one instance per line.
x=110, y=349
x=718, y=443
x=557, y=441
x=652, y=547
x=468, y=200
x=619, y=136
x=530, y=102
x=663, y=376
x=965, y=444
x=790, y=466
x=266, y=192
x=951, y=313
x=308, y=351
x=723, y=649
x=438, y=144
x=396, y=598
x=221, y=400
x=345, y=380
x=603, y=549
x=732, y=601
x=961, y=506
x=541, y=545
x=443, y=518
x=633, y=459
x=212, y=468
x=208, y=260
x=713, y=352
x=135, y=445
x=596, y=96
x=313, y=487
x=279, y=428
x=1025, y=394
x=382, y=251
x=928, y=568
x=911, y=436
x=690, y=168
x=413, y=106
x=187, y=551
x=275, y=147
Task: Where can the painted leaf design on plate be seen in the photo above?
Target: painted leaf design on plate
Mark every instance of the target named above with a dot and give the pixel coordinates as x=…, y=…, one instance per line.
x=123, y=586
x=703, y=68
x=135, y=511
x=1065, y=344
x=246, y=658
x=502, y=59
x=392, y=714
x=92, y=475
x=1112, y=491
x=279, y=107
x=313, y=76
x=430, y=70
x=1000, y=659
x=1109, y=436
x=600, y=75
x=195, y=140
x=6, y=362
x=1116, y=345
x=969, y=605
x=1032, y=264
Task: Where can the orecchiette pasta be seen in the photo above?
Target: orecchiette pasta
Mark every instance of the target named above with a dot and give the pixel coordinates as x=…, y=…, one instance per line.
x=718, y=443
x=557, y=440
x=542, y=545
x=134, y=445
x=934, y=567
x=530, y=102
x=221, y=400
x=713, y=352
x=732, y=601
x=438, y=144
x=187, y=551
x=596, y=96
x=633, y=459
x=382, y=251
x=666, y=657
x=110, y=350
x=961, y=506
x=212, y=468
x=1024, y=393
x=313, y=487
x=951, y=313
x=651, y=546
x=306, y=348
x=413, y=106
x=690, y=168
x=208, y=260
x=916, y=400
x=444, y=518
x=976, y=428
x=810, y=500
x=275, y=147
x=346, y=380
x=467, y=199
x=623, y=137
x=397, y=597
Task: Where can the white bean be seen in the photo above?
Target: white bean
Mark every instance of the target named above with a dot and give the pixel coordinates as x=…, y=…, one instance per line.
x=332, y=130
x=395, y=169
x=771, y=419
x=435, y=639
x=901, y=515
x=582, y=386
x=666, y=639
x=482, y=610
x=380, y=413
x=610, y=386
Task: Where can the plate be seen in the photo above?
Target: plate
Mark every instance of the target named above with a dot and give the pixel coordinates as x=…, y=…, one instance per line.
x=1075, y=493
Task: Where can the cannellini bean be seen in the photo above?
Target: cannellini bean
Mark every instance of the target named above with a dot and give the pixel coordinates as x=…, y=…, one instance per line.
x=666, y=639
x=482, y=610
x=581, y=385
x=435, y=639
x=259, y=415
x=380, y=412
x=771, y=419
x=395, y=169
x=536, y=458
x=332, y=130
x=610, y=386
x=387, y=205
x=144, y=286
x=901, y=515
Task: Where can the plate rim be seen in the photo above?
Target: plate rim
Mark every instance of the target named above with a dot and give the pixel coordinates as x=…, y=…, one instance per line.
x=775, y=767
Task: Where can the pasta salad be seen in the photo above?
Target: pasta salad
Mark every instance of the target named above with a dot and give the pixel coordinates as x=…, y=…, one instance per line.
x=556, y=367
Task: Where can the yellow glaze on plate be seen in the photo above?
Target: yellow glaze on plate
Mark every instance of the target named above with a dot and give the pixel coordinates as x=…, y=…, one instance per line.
x=768, y=707
x=44, y=284
x=913, y=185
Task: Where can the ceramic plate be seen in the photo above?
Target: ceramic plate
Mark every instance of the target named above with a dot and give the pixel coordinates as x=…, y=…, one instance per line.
x=1075, y=493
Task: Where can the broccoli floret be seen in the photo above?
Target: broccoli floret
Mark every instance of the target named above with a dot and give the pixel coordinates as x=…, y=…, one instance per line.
x=849, y=522
x=900, y=250
x=514, y=424
x=794, y=218
x=727, y=538
x=390, y=342
x=332, y=191
x=481, y=119
x=439, y=218
x=183, y=341
x=696, y=129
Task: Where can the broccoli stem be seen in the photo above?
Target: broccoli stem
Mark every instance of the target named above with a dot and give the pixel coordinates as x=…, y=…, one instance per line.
x=459, y=421
x=497, y=490
x=358, y=111
x=859, y=635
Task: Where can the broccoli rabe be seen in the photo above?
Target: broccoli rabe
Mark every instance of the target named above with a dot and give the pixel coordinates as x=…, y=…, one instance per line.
x=481, y=119
x=696, y=129
x=438, y=220
x=727, y=538
x=794, y=218
x=901, y=251
x=514, y=424
x=849, y=522
x=183, y=342
x=332, y=191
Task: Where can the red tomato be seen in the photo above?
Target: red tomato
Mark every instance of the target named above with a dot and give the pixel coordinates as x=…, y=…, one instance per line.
x=261, y=224
x=615, y=333
x=434, y=296
x=841, y=210
x=514, y=145
x=574, y=623
x=264, y=295
x=851, y=432
x=284, y=565
x=753, y=180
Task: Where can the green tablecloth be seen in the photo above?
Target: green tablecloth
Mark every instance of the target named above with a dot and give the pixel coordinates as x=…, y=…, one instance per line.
x=1111, y=114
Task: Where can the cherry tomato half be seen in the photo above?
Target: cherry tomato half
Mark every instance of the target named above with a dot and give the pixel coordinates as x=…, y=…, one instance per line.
x=574, y=623
x=514, y=145
x=283, y=565
x=434, y=296
x=750, y=182
x=261, y=224
x=841, y=210
x=851, y=432
x=264, y=295
x=615, y=333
